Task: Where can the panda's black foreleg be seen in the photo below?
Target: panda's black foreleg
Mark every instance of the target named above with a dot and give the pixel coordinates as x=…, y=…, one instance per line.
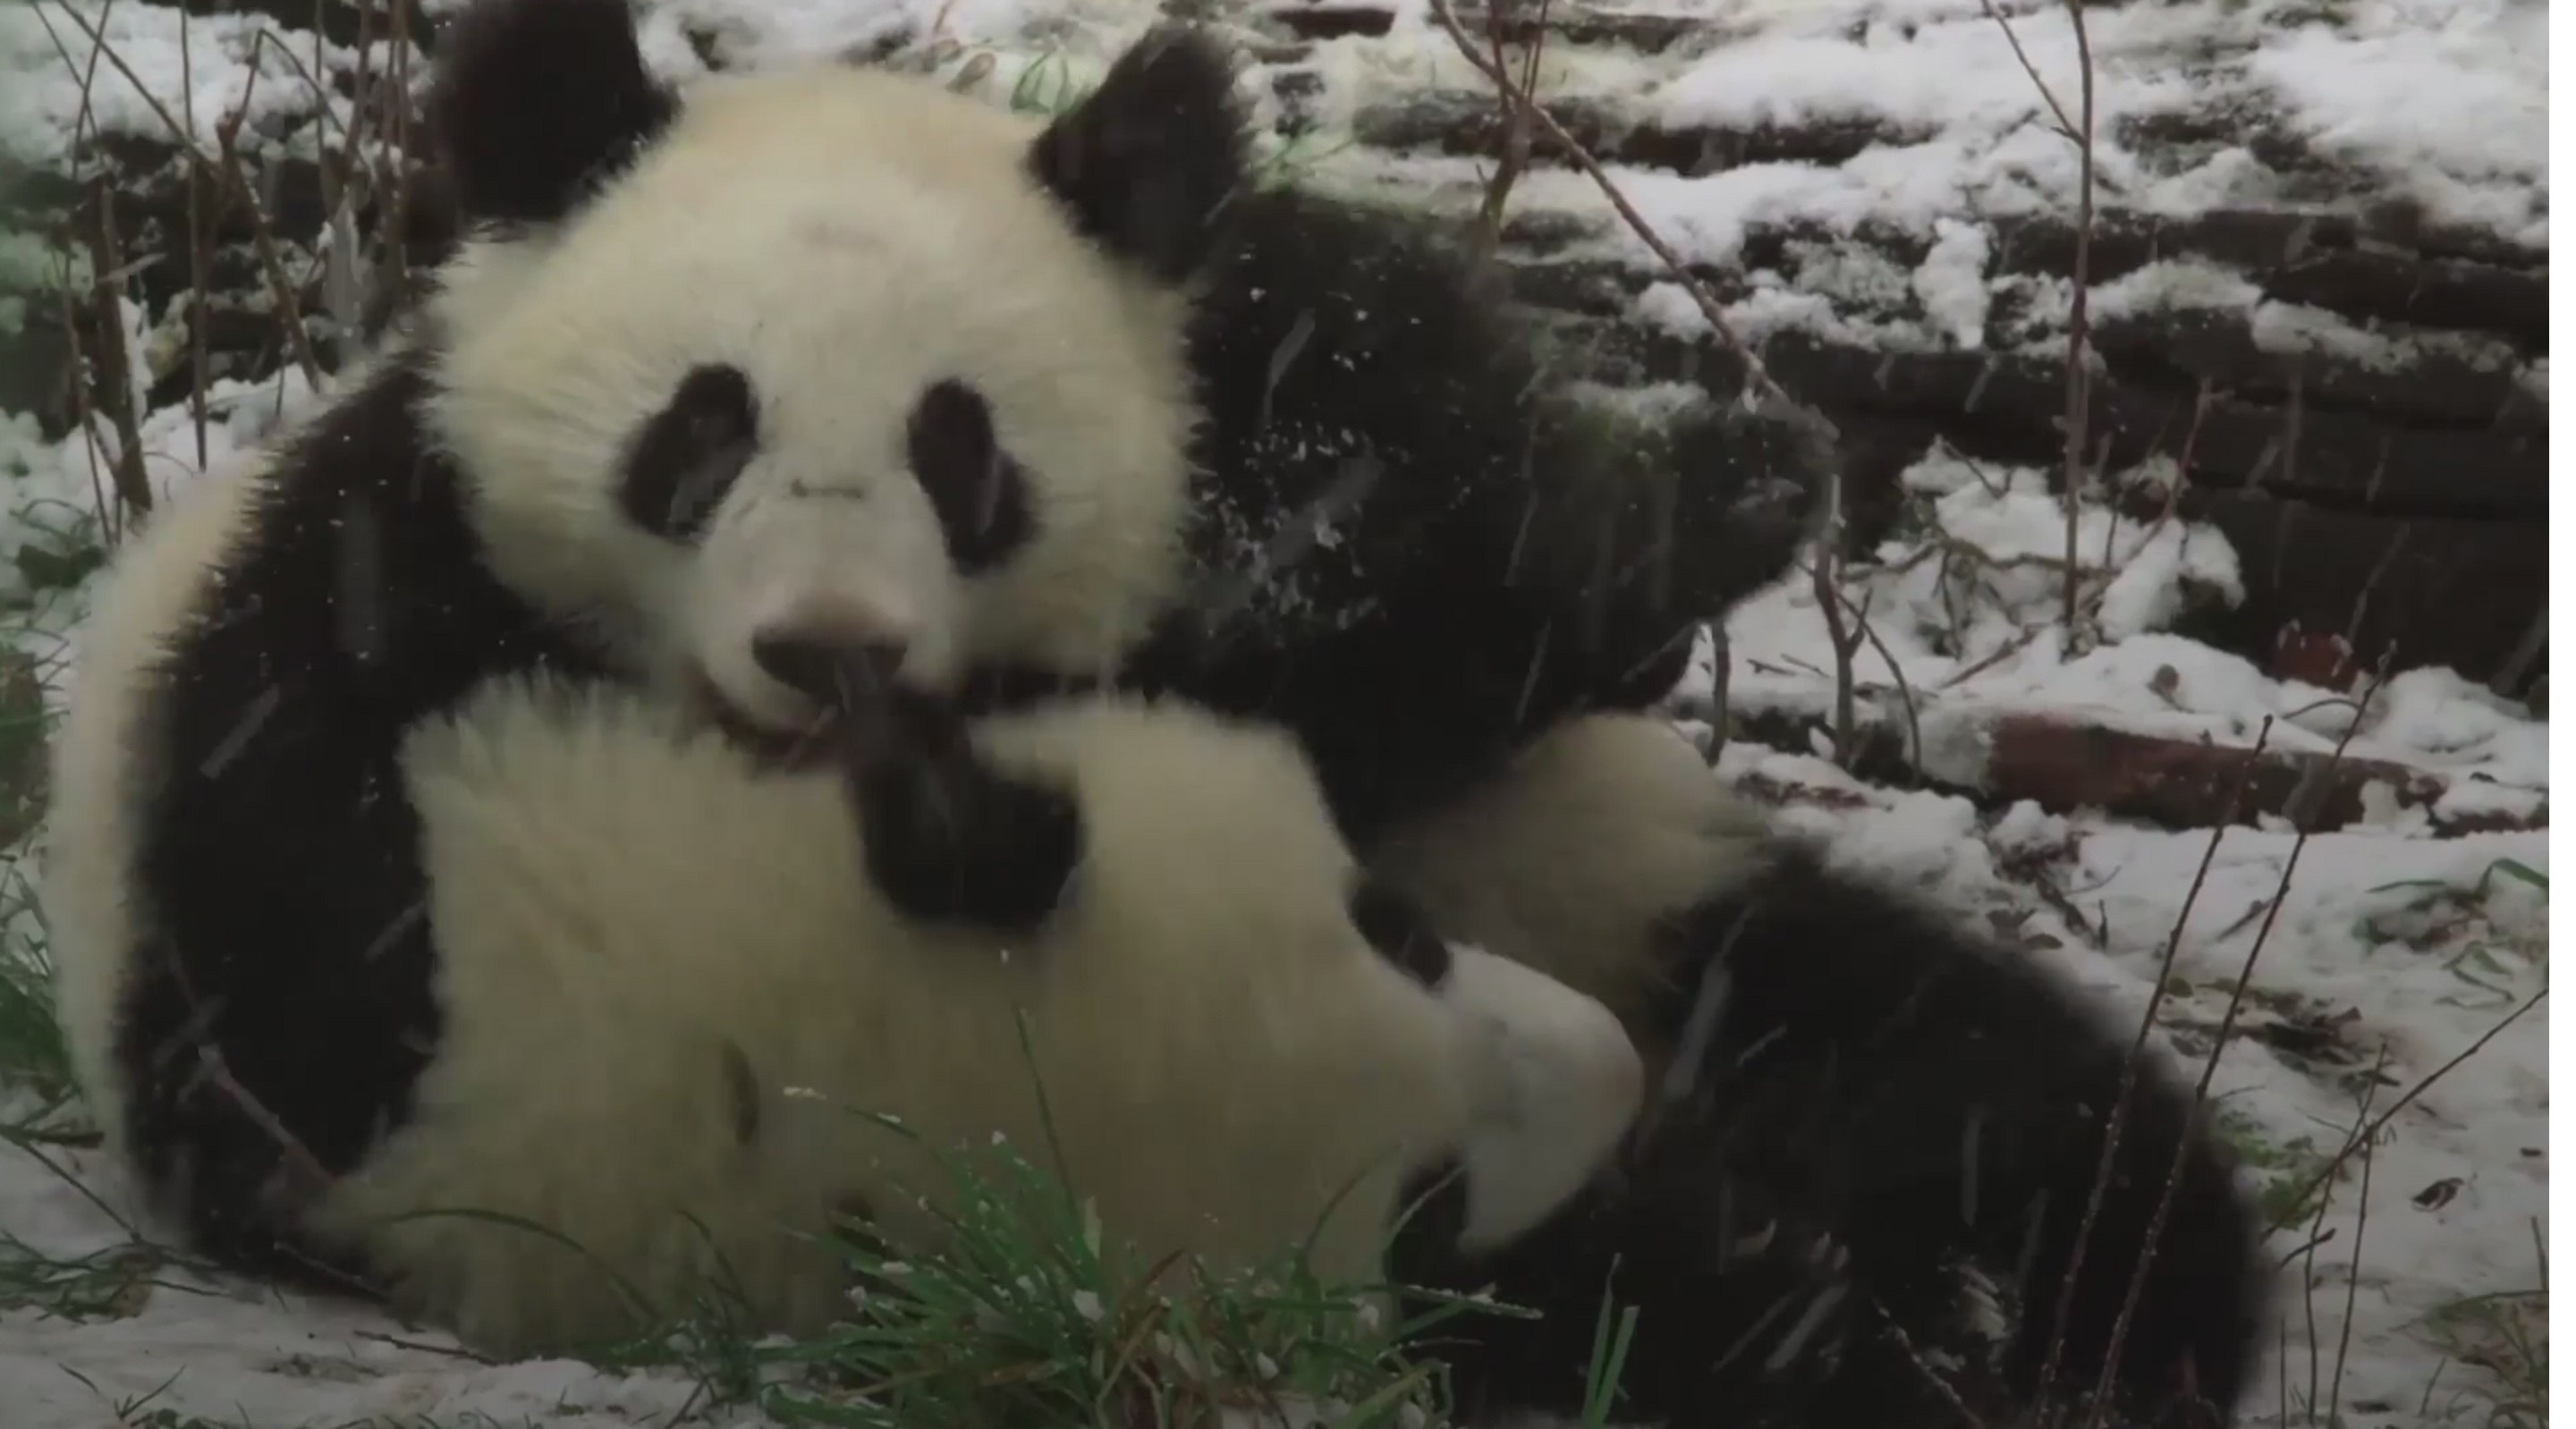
x=949, y=837
x=1936, y=1097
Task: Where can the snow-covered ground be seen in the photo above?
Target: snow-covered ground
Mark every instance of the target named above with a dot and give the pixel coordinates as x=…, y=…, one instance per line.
x=2391, y=940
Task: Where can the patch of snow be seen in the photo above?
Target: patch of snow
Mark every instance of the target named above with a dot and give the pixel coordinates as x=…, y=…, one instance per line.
x=1952, y=281
x=2472, y=131
x=1774, y=306
x=1966, y=115
x=2026, y=828
x=230, y=1353
x=1964, y=130
x=2169, y=283
x=1860, y=277
x=51, y=495
x=754, y=36
x=2484, y=798
x=192, y=71
x=2446, y=721
x=2294, y=329
x=2147, y=592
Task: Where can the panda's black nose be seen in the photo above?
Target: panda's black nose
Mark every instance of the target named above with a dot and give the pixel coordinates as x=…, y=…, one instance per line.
x=833, y=674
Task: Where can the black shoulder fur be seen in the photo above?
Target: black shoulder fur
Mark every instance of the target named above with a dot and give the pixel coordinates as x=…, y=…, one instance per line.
x=278, y=864
x=1416, y=549
x=1146, y=161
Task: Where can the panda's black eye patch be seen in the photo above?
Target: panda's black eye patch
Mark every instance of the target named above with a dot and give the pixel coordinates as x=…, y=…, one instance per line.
x=1397, y=929
x=980, y=493
x=685, y=457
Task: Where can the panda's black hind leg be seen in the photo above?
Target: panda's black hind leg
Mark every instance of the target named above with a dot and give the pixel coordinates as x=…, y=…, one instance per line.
x=1935, y=1098
x=950, y=838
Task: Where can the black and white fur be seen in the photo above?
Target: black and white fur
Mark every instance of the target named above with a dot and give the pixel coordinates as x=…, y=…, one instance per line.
x=770, y=397
x=1859, y=1113
x=649, y=1000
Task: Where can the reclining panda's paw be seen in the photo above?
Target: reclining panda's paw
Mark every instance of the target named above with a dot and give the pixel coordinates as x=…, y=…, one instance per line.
x=949, y=837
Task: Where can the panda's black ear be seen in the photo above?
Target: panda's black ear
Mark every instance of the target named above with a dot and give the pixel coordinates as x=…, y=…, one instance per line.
x=536, y=101
x=1146, y=161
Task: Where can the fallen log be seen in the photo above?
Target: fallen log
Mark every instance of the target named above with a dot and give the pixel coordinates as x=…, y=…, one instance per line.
x=2068, y=766
x=2063, y=765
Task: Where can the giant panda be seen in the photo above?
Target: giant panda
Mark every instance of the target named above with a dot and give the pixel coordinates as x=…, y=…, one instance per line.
x=779, y=398
x=1860, y=1115
x=638, y=1050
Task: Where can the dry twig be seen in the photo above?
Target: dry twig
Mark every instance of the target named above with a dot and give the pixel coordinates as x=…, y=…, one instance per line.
x=2079, y=369
x=1904, y=687
x=2360, y=1229
x=200, y=258
x=1824, y=563
x=115, y=367
x=2079, y=380
x=1515, y=156
x=84, y=134
x=84, y=416
x=228, y=170
x=1757, y=377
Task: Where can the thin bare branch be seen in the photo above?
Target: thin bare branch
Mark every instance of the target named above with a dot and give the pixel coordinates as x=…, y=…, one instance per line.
x=84, y=412
x=229, y=171
x=199, y=258
x=115, y=367
x=2360, y=1230
x=1515, y=156
x=1823, y=564
x=2079, y=367
x=2047, y=96
x=1757, y=376
x=1904, y=689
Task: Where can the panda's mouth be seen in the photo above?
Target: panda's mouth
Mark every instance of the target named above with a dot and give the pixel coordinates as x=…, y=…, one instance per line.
x=853, y=725
x=817, y=744
x=863, y=726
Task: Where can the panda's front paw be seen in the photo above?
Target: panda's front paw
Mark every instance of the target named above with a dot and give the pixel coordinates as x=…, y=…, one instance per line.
x=949, y=838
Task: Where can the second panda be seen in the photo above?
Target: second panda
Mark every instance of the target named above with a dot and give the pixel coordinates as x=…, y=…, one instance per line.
x=1233, y=1043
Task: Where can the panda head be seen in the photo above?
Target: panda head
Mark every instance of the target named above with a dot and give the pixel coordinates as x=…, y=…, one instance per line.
x=1553, y=1082
x=1298, y=1027
x=820, y=375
